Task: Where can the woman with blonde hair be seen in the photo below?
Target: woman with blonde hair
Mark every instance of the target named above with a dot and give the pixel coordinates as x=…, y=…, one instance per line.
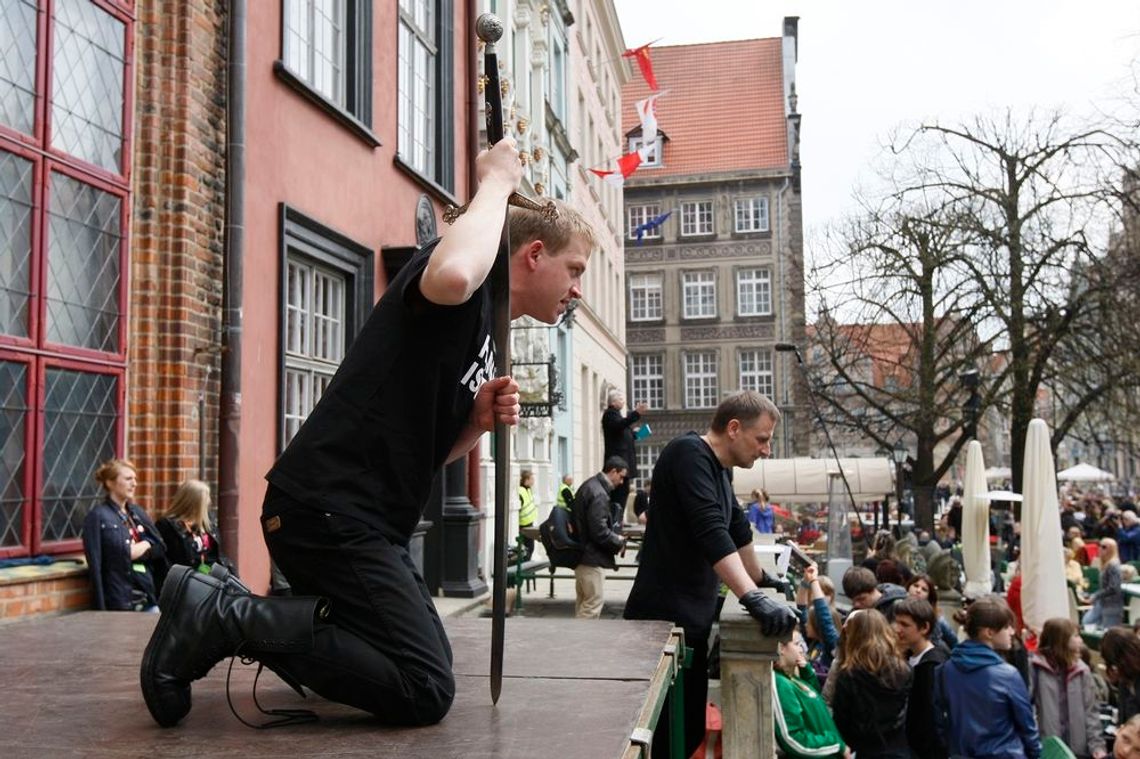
x=187, y=529
x=1061, y=687
x=872, y=685
x=1108, y=601
x=126, y=557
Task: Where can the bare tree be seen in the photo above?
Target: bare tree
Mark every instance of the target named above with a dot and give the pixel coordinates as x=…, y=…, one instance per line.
x=991, y=237
x=896, y=331
x=1039, y=199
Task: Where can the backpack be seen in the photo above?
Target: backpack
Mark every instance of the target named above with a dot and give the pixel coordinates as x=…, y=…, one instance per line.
x=557, y=535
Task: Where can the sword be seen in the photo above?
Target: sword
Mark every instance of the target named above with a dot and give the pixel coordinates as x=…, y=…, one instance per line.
x=489, y=28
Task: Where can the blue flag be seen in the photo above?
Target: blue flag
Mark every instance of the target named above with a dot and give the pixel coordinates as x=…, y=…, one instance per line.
x=653, y=223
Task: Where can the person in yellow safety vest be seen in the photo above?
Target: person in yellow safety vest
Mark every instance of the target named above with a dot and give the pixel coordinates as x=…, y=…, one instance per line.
x=565, y=498
x=528, y=510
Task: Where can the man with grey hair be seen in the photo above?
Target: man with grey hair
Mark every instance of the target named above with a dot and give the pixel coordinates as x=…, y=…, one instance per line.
x=617, y=433
x=698, y=536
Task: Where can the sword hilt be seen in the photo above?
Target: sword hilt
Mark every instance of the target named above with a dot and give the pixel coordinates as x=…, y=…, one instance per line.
x=547, y=209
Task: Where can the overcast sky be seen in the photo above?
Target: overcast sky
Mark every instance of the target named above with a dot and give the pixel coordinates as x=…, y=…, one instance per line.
x=867, y=66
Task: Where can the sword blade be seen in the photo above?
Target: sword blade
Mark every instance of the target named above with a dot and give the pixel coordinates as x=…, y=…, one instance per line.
x=500, y=286
x=501, y=326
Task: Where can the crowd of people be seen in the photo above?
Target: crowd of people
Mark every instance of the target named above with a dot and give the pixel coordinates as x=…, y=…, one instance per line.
x=882, y=682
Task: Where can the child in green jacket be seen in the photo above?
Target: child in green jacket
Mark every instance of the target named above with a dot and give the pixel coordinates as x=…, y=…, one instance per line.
x=804, y=728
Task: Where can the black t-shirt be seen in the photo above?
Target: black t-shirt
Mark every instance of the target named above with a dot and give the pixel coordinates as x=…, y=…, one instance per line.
x=397, y=404
x=695, y=522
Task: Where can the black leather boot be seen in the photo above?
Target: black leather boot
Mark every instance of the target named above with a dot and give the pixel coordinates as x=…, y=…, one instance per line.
x=203, y=621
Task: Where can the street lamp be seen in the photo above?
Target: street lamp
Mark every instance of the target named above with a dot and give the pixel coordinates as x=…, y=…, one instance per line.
x=898, y=453
x=883, y=452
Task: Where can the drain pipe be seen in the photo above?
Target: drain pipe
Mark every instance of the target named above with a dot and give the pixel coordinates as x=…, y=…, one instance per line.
x=233, y=277
x=474, y=476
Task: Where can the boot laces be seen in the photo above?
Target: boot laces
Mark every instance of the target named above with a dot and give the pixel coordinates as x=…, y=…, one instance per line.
x=280, y=717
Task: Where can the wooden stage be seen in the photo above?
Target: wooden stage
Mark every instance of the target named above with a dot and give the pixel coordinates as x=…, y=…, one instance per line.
x=572, y=688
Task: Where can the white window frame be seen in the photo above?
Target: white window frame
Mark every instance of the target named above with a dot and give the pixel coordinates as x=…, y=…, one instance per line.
x=646, y=297
x=652, y=158
x=751, y=214
x=756, y=371
x=315, y=49
x=697, y=218
x=701, y=379
x=315, y=315
x=647, y=373
x=559, y=60
x=637, y=215
x=698, y=294
x=647, y=455
x=754, y=292
x=418, y=53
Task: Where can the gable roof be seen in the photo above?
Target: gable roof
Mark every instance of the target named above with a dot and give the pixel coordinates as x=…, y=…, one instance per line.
x=724, y=109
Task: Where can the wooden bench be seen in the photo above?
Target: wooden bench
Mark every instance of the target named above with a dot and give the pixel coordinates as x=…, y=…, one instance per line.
x=523, y=574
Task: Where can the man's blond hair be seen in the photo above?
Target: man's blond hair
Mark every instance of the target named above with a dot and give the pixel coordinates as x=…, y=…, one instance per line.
x=528, y=226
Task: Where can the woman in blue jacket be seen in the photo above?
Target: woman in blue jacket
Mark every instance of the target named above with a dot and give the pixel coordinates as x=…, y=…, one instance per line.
x=122, y=545
x=981, y=704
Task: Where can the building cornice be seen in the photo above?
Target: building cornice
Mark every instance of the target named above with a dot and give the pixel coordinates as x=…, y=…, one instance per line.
x=645, y=179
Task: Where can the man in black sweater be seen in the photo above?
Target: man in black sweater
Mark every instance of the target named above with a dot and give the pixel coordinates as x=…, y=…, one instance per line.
x=697, y=537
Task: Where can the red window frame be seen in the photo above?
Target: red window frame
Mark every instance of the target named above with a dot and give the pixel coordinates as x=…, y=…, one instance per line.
x=34, y=350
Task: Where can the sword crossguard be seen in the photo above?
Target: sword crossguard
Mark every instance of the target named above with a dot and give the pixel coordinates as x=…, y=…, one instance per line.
x=548, y=210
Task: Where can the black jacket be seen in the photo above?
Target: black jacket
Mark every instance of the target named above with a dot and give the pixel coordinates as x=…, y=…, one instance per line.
x=183, y=547
x=921, y=730
x=106, y=542
x=617, y=432
x=871, y=713
x=595, y=523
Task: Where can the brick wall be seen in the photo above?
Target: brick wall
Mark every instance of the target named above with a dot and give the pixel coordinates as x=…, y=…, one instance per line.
x=176, y=242
x=68, y=591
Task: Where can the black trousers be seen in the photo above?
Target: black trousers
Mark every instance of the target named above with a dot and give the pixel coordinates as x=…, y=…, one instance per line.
x=382, y=648
x=696, y=695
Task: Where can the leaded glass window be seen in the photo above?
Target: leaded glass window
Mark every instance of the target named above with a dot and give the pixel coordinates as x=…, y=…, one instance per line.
x=18, y=65
x=88, y=65
x=15, y=243
x=80, y=412
x=13, y=456
x=84, y=274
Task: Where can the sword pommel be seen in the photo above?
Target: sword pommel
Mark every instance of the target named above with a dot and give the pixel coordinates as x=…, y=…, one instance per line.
x=489, y=28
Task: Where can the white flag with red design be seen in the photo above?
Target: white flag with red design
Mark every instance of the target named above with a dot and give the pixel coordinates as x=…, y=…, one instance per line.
x=647, y=114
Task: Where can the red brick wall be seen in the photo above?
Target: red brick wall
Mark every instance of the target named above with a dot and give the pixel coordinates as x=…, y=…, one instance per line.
x=176, y=242
x=70, y=592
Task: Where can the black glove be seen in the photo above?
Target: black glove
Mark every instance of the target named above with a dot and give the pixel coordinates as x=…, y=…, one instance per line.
x=776, y=619
x=774, y=582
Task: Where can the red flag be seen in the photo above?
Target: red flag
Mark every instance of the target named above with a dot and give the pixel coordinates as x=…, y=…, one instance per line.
x=626, y=165
x=643, y=62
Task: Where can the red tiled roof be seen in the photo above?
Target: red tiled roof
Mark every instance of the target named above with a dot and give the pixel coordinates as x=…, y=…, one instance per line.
x=724, y=109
